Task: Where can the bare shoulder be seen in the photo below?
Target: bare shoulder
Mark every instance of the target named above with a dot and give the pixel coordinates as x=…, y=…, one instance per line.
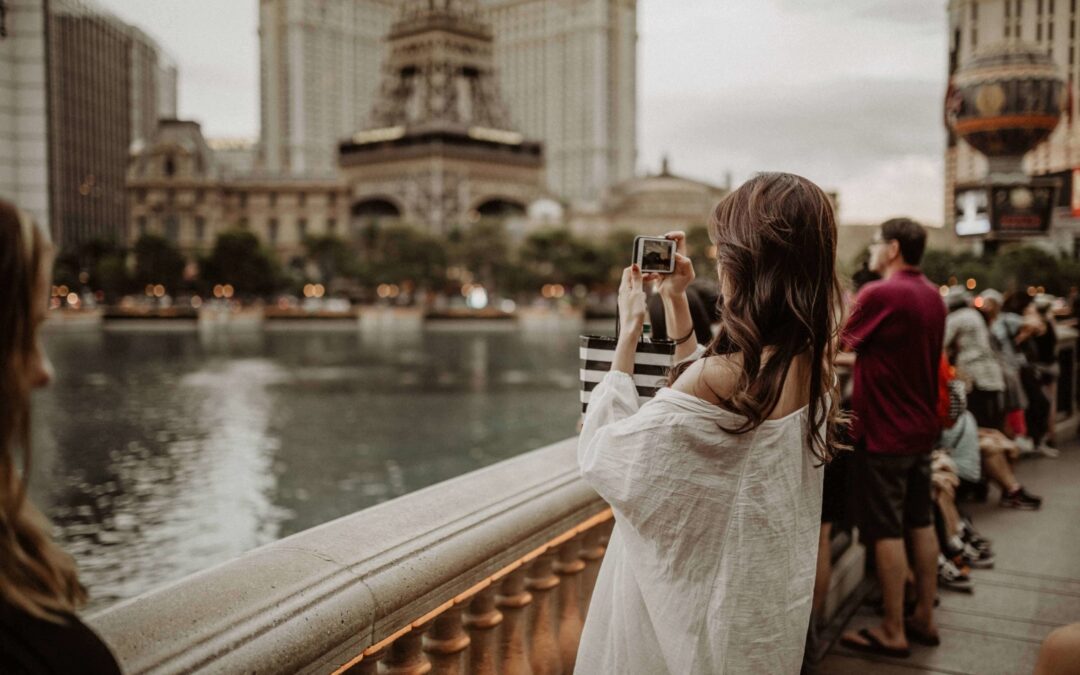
x=711, y=378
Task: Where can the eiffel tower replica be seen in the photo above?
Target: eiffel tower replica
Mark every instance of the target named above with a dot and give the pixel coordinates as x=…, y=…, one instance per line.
x=439, y=151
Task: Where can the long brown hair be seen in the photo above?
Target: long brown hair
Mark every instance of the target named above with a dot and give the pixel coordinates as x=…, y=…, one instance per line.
x=35, y=574
x=775, y=241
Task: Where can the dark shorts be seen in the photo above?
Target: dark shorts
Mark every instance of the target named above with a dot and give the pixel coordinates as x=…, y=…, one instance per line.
x=988, y=407
x=894, y=494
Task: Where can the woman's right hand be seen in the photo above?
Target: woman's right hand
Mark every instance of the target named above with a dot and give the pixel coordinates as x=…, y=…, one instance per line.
x=631, y=303
x=675, y=284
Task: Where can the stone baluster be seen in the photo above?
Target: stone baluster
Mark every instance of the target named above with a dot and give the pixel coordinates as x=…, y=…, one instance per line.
x=512, y=600
x=406, y=655
x=481, y=619
x=592, y=553
x=369, y=665
x=541, y=580
x=569, y=567
x=445, y=643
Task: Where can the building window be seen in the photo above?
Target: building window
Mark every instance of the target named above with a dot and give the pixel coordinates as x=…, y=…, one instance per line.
x=272, y=230
x=331, y=225
x=333, y=199
x=301, y=199
x=172, y=229
x=273, y=199
x=242, y=199
x=170, y=166
x=200, y=195
x=200, y=228
x=301, y=228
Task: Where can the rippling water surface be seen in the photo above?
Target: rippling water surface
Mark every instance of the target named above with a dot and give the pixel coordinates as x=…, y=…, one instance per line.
x=158, y=454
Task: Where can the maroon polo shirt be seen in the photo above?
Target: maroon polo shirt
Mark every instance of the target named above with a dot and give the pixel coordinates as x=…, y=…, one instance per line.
x=896, y=329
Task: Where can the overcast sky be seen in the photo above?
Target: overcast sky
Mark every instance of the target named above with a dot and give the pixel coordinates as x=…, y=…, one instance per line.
x=845, y=92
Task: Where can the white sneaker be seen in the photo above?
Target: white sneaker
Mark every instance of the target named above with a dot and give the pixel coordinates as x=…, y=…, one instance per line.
x=1026, y=445
x=1047, y=450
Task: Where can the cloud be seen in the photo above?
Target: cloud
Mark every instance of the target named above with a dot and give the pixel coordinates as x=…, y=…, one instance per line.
x=912, y=13
x=857, y=136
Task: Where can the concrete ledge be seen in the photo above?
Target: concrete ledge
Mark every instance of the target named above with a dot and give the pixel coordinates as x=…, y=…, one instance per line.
x=314, y=600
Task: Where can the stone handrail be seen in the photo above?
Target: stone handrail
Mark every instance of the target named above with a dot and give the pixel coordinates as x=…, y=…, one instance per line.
x=397, y=581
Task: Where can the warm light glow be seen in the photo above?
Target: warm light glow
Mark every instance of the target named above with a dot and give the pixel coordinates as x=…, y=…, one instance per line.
x=971, y=284
x=84, y=277
x=63, y=290
x=944, y=290
x=979, y=302
x=227, y=290
x=73, y=299
x=219, y=291
x=149, y=290
x=1032, y=290
x=309, y=290
x=319, y=290
x=1042, y=289
x=196, y=301
x=159, y=291
x=466, y=289
x=383, y=291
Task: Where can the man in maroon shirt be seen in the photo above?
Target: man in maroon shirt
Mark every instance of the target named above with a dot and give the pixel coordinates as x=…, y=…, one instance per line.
x=896, y=330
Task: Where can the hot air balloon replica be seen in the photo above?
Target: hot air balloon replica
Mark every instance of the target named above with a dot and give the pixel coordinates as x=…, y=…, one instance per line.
x=1005, y=100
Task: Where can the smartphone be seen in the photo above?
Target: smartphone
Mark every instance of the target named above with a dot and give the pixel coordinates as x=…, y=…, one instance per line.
x=654, y=255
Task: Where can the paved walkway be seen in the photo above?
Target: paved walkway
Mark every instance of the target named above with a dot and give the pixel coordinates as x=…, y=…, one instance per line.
x=1033, y=588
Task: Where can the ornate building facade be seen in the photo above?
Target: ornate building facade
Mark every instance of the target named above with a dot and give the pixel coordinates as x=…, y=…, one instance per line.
x=568, y=69
x=440, y=151
x=178, y=189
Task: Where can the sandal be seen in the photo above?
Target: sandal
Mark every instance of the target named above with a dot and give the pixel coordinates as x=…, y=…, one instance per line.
x=874, y=646
x=922, y=637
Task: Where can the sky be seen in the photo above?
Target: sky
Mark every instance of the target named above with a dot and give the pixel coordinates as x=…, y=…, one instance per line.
x=845, y=92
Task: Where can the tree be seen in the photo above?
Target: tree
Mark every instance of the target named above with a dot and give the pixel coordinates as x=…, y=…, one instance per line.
x=557, y=256
x=332, y=256
x=401, y=253
x=484, y=250
x=239, y=260
x=157, y=261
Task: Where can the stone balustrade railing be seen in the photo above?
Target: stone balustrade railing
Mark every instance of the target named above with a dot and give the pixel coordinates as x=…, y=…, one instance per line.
x=486, y=573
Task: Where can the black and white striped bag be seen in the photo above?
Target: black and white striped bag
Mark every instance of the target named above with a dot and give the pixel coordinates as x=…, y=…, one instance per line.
x=652, y=361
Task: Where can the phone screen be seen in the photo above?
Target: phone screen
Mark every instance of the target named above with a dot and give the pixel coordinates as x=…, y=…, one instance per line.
x=655, y=255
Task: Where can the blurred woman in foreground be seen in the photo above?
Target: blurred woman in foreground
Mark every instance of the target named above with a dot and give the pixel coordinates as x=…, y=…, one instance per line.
x=39, y=586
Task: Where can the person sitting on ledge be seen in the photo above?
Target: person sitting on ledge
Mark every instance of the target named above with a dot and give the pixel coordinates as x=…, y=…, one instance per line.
x=39, y=587
x=716, y=483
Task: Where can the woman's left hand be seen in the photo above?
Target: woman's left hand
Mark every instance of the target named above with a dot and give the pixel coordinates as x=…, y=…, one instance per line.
x=631, y=303
x=676, y=283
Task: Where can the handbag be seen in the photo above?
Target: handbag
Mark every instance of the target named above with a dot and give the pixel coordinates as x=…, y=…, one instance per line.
x=653, y=359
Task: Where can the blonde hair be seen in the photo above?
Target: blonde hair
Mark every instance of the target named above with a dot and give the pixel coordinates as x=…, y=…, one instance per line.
x=35, y=574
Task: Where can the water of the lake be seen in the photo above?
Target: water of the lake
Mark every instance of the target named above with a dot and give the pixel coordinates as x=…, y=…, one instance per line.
x=157, y=454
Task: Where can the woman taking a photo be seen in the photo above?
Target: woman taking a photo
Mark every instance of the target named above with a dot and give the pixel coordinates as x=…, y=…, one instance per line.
x=39, y=587
x=716, y=483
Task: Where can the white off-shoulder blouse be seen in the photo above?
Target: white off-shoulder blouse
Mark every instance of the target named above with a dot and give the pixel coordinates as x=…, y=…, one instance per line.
x=710, y=567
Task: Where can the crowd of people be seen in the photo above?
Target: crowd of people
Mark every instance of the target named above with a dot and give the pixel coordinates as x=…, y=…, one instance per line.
x=948, y=391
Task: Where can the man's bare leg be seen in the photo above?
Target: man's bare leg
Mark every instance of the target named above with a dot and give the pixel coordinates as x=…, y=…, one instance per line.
x=925, y=545
x=892, y=570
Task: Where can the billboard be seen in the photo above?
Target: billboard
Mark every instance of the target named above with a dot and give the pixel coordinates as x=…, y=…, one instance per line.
x=1004, y=210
